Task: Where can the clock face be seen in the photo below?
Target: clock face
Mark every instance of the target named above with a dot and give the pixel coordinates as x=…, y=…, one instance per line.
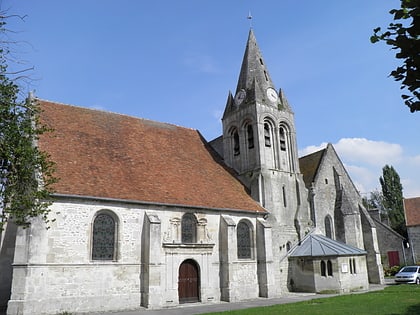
x=240, y=96
x=272, y=94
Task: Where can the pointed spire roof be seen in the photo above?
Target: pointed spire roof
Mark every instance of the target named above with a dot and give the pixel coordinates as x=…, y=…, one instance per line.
x=254, y=84
x=253, y=67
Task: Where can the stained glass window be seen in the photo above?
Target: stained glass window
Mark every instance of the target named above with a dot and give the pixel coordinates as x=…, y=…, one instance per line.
x=189, y=228
x=103, y=243
x=243, y=234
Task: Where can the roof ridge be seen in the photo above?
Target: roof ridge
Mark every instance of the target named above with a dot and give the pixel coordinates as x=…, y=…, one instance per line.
x=113, y=113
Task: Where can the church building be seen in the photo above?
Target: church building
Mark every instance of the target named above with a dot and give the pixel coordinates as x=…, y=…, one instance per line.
x=149, y=214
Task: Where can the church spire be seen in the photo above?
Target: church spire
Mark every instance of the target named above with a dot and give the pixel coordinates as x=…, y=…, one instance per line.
x=254, y=84
x=253, y=67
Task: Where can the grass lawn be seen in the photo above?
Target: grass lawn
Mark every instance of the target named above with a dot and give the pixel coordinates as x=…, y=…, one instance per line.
x=393, y=300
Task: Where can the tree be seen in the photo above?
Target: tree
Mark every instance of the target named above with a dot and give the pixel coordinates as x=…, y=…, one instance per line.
x=404, y=37
x=26, y=173
x=393, y=199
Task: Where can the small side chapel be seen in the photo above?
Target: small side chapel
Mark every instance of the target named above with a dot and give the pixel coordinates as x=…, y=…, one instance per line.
x=148, y=214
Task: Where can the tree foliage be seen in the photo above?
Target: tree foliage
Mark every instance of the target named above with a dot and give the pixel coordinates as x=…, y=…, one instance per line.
x=403, y=35
x=26, y=173
x=393, y=199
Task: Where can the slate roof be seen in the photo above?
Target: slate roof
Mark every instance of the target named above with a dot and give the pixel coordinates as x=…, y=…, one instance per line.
x=108, y=155
x=412, y=211
x=309, y=165
x=315, y=245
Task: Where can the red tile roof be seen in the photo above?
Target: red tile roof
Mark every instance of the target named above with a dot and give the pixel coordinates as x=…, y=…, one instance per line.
x=412, y=211
x=109, y=155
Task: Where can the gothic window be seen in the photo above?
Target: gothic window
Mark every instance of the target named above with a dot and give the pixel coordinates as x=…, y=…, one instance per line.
x=267, y=135
x=243, y=234
x=282, y=139
x=329, y=268
x=288, y=246
x=188, y=228
x=104, y=237
x=323, y=269
x=236, y=148
x=250, y=135
x=328, y=226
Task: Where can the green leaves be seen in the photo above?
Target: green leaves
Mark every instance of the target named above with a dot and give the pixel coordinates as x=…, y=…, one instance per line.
x=393, y=198
x=26, y=173
x=404, y=37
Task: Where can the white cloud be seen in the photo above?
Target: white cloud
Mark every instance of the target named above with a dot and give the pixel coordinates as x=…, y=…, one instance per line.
x=372, y=152
x=312, y=148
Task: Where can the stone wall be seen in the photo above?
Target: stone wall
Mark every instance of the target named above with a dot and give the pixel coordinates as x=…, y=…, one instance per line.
x=307, y=276
x=7, y=251
x=391, y=241
x=54, y=271
x=414, y=237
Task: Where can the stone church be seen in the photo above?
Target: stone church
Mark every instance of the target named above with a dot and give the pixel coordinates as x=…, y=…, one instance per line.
x=149, y=214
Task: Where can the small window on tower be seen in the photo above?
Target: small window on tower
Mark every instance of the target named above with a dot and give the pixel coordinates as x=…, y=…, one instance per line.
x=282, y=139
x=250, y=134
x=284, y=196
x=267, y=135
x=266, y=76
x=261, y=62
x=236, y=148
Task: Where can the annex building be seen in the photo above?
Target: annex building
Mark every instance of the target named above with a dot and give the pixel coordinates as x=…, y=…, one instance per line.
x=148, y=214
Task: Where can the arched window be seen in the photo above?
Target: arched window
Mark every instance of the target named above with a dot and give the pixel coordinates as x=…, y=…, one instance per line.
x=236, y=147
x=288, y=246
x=188, y=228
x=282, y=139
x=352, y=263
x=328, y=226
x=329, y=268
x=250, y=136
x=243, y=235
x=104, y=237
x=323, y=269
x=267, y=135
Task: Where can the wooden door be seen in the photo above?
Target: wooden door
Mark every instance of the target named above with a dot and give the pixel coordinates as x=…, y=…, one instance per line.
x=393, y=258
x=188, y=282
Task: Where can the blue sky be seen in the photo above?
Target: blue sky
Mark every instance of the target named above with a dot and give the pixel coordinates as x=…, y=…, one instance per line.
x=175, y=61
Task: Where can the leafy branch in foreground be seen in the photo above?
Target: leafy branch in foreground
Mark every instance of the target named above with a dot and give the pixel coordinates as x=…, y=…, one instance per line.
x=26, y=173
x=403, y=35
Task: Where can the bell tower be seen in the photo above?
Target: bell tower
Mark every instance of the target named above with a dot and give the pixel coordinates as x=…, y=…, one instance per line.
x=259, y=142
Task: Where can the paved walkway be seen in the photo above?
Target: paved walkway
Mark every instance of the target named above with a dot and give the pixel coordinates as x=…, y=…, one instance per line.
x=198, y=308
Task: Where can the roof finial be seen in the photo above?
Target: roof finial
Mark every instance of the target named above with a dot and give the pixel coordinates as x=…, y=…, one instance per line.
x=249, y=17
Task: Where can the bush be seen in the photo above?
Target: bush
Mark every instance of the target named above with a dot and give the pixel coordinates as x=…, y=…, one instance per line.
x=391, y=271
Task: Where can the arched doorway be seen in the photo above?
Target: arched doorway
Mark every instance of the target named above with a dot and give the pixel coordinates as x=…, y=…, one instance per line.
x=188, y=282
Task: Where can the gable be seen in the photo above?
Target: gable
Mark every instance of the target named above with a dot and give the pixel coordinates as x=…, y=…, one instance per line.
x=107, y=155
x=412, y=211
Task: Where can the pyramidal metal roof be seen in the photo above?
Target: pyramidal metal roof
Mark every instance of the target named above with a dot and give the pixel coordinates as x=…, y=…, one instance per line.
x=320, y=245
